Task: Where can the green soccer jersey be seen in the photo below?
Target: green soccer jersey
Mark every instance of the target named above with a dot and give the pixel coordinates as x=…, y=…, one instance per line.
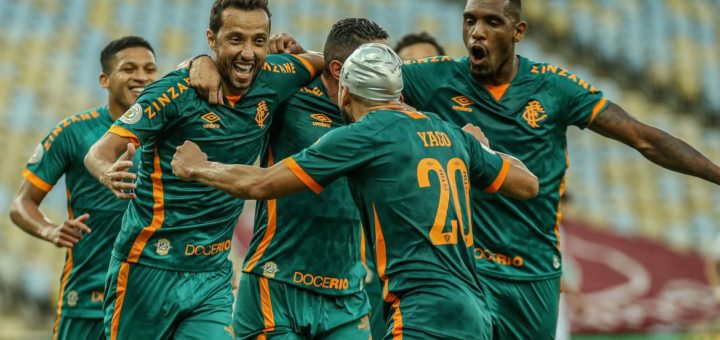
x=62, y=153
x=310, y=241
x=514, y=239
x=187, y=226
x=410, y=176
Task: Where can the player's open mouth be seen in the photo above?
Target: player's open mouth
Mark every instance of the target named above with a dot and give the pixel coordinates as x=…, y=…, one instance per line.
x=136, y=90
x=242, y=70
x=477, y=54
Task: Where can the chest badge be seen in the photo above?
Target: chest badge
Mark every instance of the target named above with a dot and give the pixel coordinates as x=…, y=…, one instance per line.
x=321, y=120
x=262, y=114
x=211, y=120
x=162, y=247
x=534, y=114
x=463, y=103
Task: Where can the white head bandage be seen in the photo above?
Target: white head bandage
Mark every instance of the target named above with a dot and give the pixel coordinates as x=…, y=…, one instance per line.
x=373, y=72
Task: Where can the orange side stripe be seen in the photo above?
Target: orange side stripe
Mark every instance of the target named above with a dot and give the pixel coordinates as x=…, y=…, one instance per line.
x=497, y=91
x=120, y=290
x=71, y=213
x=307, y=65
x=36, y=181
x=271, y=226
x=415, y=115
x=266, y=305
x=397, y=321
x=125, y=133
x=596, y=109
x=63, y=284
x=158, y=212
x=362, y=249
x=303, y=176
x=500, y=179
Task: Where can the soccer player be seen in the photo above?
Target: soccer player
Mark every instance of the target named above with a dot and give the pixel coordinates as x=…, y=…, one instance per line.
x=525, y=107
x=410, y=175
x=308, y=248
x=128, y=65
x=169, y=275
x=418, y=45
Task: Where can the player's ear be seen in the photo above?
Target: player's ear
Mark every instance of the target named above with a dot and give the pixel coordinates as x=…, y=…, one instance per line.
x=104, y=80
x=211, y=39
x=519, y=34
x=335, y=68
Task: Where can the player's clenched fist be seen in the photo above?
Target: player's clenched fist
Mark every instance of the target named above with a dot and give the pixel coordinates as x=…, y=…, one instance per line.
x=116, y=177
x=187, y=158
x=69, y=233
x=477, y=133
x=284, y=43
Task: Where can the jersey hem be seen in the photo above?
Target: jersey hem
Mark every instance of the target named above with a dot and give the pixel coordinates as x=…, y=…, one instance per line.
x=82, y=314
x=305, y=288
x=160, y=265
x=509, y=277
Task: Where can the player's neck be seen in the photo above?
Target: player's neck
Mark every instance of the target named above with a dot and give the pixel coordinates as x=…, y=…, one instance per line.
x=331, y=87
x=116, y=109
x=504, y=75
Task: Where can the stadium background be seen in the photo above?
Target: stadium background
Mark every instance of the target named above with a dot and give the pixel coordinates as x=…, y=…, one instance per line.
x=659, y=59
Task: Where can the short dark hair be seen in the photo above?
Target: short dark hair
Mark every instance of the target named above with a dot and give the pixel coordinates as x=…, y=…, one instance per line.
x=516, y=6
x=347, y=35
x=418, y=38
x=219, y=6
x=108, y=53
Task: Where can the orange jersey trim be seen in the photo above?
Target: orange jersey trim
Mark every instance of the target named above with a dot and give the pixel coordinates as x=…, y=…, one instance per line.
x=120, y=290
x=363, y=259
x=71, y=213
x=122, y=132
x=271, y=226
x=303, y=176
x=232, y=100
x=559, y=215
x=415, y=115
x=500, y=179
x=36, y=181
x=63, y=284
x=307, y=64
x=158, y=212
x=266, y=305
x=397, y=332
x=497, y=91
x=596, y=110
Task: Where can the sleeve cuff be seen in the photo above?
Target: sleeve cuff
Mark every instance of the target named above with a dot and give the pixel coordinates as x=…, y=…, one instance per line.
x=599, y=107
x=36, y=181
x=307, y=65
x=117, y=130
x=500, y=179
x=303, y=176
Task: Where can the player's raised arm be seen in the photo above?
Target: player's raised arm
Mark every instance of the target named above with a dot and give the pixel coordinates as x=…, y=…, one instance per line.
x=656, y=145
x=241, y=181
x=109, y=160
x=514, y=180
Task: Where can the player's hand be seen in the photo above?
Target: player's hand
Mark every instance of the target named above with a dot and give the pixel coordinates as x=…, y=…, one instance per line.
x=115, y=177
x=477, y=133
x=188, y=157
x=205, y=79
x=69, y=233
x=283, y=43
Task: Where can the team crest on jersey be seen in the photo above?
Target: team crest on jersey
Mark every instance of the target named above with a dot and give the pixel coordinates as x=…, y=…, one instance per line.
x=270, y=269
x=463, y=103
x=72, y=298
x=162, y=246
x=37, y=154
x=132, y=115
x=534, y=114
x=262, y=113
x=321, y=120
x=211, y=120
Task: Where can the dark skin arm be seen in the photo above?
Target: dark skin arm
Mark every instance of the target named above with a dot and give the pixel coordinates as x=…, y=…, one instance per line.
x=25, y=213
x=656, y=145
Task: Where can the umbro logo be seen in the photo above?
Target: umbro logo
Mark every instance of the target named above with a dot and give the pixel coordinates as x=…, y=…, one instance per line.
x=211, y=118
x=463, y=103
x=321, y=120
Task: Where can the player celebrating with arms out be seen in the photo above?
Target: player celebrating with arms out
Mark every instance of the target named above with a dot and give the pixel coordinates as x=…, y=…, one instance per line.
x=169, y=274
x=417, y=217
x=95, y=214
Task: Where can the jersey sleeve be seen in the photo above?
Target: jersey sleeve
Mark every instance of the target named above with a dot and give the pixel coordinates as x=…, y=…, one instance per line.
x=338, y=153
x=154, y=110
x=287, y=73
x=49, y=160
x=583, y=102
x=487, y=168
x=421, y=78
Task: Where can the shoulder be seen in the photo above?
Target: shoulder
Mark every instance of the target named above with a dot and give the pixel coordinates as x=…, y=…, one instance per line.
x=173, y=88
x=73, y=124
x=556, y=75
x=284, y=64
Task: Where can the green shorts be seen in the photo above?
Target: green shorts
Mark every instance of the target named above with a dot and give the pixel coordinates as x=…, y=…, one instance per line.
x=438, y=310
x=523, y=310
x=69, y=328
x=150, y=303
x=270, y=309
